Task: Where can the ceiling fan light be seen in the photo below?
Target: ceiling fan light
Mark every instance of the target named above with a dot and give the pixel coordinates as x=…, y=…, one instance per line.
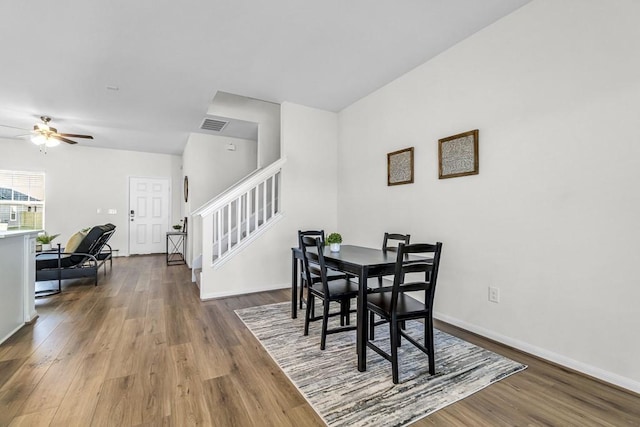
x=38, y=139
x=42, y=127
x=52, y=142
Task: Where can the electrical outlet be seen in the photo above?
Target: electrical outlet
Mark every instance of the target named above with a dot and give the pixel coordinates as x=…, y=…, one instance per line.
x=112, y=211
x=494, y=294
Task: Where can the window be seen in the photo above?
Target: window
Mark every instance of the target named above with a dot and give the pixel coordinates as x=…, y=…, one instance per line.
x=22, y=200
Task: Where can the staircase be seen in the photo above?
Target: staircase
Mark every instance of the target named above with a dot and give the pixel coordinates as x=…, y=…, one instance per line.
x=240, y=214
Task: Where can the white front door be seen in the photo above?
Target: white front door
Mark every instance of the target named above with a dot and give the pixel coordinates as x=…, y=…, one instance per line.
x=148, y=215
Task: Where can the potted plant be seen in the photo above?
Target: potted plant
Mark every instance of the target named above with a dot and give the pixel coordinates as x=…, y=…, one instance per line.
x=334, y=240
x=177, y=227
x=45, y=240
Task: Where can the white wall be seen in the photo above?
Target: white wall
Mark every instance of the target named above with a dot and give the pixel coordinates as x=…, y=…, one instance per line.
x=266, y=114
x=211, y=169
x=79, y=180
x=309, y=201
x=551, y=219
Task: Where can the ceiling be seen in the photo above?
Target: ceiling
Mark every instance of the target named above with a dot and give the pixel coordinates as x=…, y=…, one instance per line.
x=140, y=75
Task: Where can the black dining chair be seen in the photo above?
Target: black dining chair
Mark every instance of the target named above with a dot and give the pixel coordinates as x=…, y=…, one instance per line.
x=390, y=243
x=341, y=291
x=395, y=306
x=331, y=274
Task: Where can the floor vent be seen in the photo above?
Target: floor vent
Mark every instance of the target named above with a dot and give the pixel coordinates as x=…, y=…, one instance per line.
x=213, y=125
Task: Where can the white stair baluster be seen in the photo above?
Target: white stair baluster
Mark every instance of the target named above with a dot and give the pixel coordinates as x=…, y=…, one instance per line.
x=273, y=196
x=239, y=220
x=219, y=228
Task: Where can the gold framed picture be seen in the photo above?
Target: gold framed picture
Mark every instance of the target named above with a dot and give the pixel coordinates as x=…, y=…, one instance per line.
x=458, y=155
x=400, y=167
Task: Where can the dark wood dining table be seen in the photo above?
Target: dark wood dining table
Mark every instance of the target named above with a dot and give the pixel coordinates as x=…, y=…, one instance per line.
x=361, y=262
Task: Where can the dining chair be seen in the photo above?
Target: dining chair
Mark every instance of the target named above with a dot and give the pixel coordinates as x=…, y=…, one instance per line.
x=390, y=243
x=395, y=306
x=331, y=274
x=341, y=291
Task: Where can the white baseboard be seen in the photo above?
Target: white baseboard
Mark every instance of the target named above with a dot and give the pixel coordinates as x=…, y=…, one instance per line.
x=231, y=293
x=584, y=368
x=31, y=318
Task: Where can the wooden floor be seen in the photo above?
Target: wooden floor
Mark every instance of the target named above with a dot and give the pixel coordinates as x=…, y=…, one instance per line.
x=141, y=349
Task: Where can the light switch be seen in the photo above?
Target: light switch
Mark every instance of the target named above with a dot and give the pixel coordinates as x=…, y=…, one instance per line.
x=112, y=211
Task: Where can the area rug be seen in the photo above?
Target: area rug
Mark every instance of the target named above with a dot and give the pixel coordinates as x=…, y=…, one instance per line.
x=342, y=396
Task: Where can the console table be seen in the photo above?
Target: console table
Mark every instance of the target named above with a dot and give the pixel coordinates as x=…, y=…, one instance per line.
x=176, y=246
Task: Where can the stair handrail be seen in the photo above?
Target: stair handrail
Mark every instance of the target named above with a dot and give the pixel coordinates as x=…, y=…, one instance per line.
x=232, y=193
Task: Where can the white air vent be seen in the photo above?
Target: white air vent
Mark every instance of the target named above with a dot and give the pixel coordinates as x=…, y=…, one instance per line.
x=213, y=125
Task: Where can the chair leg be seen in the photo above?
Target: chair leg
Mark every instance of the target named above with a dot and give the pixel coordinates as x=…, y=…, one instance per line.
x=310, y=303
x=347, y=315
x=342, y=312
x=428, y=340
x=301, y=291
x=372, y=334
x=394, y=331
x=325, y=320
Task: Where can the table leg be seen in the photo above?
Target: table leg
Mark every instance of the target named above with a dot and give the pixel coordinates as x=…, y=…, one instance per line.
x=294, y=286
x=362, y=320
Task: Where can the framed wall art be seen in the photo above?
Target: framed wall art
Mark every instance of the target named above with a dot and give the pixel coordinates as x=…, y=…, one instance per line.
x=458, y=155
x=400, y=167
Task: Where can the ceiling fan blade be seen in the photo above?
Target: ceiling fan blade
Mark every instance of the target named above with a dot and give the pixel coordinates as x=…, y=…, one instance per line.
x=68, y=141
x=73, y=135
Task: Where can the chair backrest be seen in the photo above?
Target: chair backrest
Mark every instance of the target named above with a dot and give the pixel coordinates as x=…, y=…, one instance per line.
x=93, y=242
x=429, y=267
x=313, y=261
x=100, y=243
x=394, y=237
x=309, y=233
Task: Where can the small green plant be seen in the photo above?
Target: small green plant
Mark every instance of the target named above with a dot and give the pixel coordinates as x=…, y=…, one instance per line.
x=177, y=227
x=334, y=238
x=45, y=239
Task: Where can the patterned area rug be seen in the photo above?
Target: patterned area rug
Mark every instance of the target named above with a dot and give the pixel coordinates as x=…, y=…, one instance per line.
x=343, y=396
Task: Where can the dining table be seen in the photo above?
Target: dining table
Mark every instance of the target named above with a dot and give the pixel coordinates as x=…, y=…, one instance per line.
x=361, y=262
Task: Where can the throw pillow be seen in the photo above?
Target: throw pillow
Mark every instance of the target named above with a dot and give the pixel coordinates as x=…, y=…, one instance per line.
x=74, y=242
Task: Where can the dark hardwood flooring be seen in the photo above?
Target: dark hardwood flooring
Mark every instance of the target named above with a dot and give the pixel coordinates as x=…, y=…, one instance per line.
x=142, y=349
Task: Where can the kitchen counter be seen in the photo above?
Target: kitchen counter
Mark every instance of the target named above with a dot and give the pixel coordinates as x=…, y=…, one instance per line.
x=17, y=280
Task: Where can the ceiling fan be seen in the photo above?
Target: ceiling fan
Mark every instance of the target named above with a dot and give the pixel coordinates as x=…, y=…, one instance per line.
x=49, y=136
x=45, y=135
